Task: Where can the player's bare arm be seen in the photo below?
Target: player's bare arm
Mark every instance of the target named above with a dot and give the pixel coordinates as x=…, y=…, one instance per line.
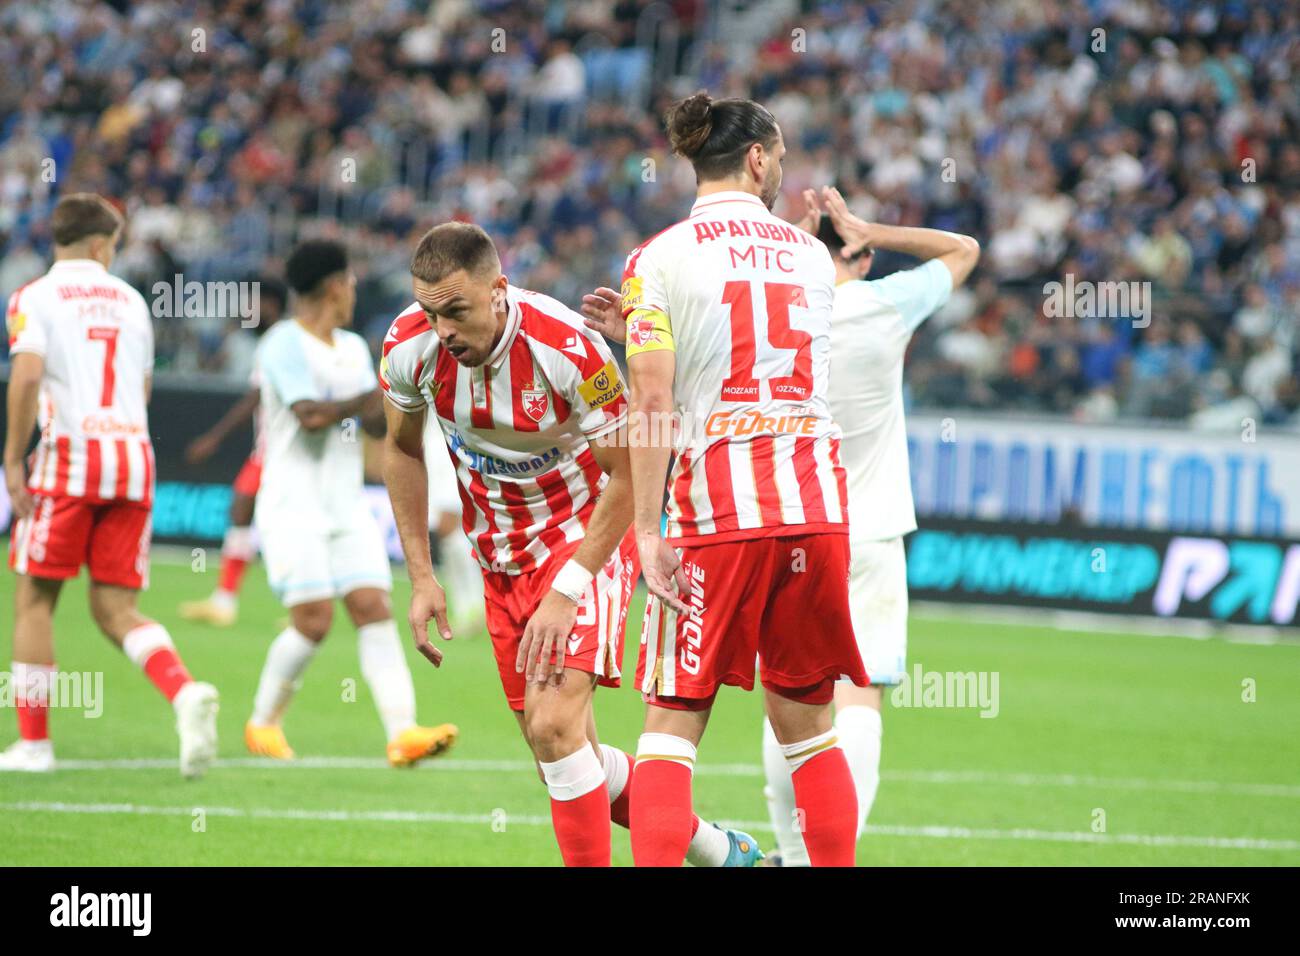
x=372, y=414
x=958, y=252
x=25, y=374
x=549, y=628
x=317, y=415
x=240, y=413
x=407, y=479
x=650, y=381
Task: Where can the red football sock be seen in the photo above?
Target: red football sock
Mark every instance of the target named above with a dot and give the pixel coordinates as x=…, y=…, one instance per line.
x=582, y=828
x=31, y=683
x=232, y=573
x=619, y=807
x=165, y=668
x=823, y=790
x=661, y=816
x=33, y=719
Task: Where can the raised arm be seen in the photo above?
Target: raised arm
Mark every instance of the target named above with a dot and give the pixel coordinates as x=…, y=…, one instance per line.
x=956, y=251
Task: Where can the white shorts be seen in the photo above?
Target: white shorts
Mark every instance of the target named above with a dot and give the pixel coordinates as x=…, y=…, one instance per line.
x=878, y=604
x=306, y=562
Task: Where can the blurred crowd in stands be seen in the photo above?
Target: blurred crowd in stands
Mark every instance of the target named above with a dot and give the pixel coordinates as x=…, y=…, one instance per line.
x=1153, y=142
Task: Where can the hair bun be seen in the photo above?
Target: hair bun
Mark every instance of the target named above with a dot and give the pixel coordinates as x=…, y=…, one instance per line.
x=689, y=124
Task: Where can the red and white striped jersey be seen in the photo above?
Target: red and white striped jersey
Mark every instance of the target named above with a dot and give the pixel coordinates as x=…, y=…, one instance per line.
x=94, y=333
x=744, y=300
x=519, y=427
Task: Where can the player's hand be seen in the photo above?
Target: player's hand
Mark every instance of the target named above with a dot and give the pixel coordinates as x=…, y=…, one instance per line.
x=812, y=213
x=857, y=233
x=602, y=311
x=20, y=499
x=428, y=602
x=546, y=634
x=201, y=449
x=662, y=570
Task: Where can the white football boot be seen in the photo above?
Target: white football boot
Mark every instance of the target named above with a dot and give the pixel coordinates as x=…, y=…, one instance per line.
x=28, y=756
x=196, y=722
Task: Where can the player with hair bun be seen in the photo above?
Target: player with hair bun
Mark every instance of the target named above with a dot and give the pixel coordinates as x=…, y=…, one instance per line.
x=728, y=318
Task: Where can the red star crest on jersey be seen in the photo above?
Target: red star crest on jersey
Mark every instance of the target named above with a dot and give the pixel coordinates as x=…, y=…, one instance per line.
x=535, y=401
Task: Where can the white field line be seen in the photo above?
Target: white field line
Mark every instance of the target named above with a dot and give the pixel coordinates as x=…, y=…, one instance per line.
x=533, y=820
x=945, y=777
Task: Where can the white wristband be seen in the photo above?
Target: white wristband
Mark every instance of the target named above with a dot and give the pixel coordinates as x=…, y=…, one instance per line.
x=572, y=580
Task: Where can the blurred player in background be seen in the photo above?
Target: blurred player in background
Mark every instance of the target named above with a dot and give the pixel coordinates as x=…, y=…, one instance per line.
x=238, y=546
x=532, y=408
x=729, y=316
x=319, y=538
x=871, y=325
x=82, y=347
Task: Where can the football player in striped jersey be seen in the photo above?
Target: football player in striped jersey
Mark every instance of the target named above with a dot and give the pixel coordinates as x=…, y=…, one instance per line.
x=81, y=342
x=728, y=328
x=532, y=407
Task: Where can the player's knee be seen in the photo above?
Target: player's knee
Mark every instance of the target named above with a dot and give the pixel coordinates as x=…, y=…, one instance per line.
x=368, y=606
x=313, y=620
x=113, y=612
x=34, y=599
x=552, y=735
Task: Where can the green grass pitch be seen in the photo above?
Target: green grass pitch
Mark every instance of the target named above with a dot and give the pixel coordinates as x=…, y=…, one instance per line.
x=1108, y=749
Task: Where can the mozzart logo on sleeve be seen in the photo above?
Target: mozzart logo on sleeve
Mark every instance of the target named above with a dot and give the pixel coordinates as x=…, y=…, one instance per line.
x=1244, y=580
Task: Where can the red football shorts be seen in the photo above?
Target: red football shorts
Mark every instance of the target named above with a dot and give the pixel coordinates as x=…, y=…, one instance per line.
x=784, y=600
x=596, y=645
x=249, y=478
x=63, y=533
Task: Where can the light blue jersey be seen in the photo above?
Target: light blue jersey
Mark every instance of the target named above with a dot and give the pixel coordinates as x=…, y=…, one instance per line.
x=310, y=476
x=871, y=324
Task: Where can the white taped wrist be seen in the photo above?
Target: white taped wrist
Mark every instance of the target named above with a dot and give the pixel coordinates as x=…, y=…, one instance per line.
x=573, y=581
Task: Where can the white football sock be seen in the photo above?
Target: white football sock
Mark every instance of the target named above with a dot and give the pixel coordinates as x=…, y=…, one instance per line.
x=709, y=846
x=226, y=600
x=140, y=643
x=573, y=776
x=287, y=658
x=780, y=801
x=238, y=543
x=383, y=665
x=860, y=730
x=32, y=682
x=618, y=770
